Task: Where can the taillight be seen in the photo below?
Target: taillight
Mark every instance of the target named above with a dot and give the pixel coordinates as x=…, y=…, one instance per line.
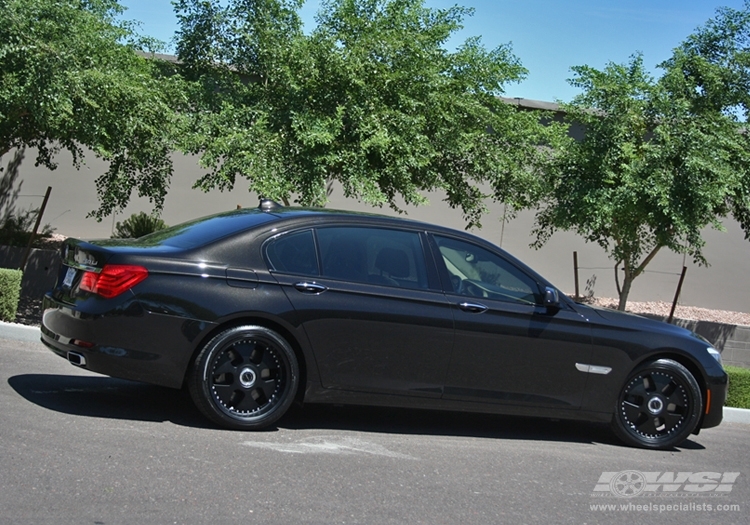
x=113, y=280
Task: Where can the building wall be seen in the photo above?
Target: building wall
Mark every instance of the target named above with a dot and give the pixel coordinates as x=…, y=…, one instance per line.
x=722, y=285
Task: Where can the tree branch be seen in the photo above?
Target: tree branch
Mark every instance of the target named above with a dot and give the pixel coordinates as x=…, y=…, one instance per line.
x=647, y=260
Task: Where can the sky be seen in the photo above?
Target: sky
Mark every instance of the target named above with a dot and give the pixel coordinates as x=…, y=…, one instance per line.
x=548, y=36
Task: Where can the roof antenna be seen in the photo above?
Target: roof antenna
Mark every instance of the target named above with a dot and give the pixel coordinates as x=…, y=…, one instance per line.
x=268, y=204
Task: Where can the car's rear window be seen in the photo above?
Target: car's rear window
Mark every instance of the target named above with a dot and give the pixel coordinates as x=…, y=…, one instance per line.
x=202, y=231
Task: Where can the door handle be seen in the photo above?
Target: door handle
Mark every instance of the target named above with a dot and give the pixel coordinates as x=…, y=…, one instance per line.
x=474, y=308
x=311, y=288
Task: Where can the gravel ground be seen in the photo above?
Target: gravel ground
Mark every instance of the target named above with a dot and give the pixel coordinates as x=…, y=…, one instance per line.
x=662, y=308
x=29, y=311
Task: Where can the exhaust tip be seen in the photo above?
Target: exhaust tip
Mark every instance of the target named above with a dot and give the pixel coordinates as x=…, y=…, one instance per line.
x=76, y=359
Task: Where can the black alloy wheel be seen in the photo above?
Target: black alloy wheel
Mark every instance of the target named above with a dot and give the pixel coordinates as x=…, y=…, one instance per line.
x=659, y=406
x=244, y=378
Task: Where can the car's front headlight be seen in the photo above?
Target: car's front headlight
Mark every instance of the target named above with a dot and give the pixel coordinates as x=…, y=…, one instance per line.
x=715, y=354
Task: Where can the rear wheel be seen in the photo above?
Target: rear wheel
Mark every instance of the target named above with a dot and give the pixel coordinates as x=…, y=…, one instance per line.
x=244, y=378
x=659, y=406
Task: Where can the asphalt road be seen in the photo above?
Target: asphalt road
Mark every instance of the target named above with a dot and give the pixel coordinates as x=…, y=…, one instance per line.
x=79, y=448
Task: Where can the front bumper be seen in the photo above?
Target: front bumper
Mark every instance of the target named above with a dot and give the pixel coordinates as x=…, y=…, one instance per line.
x=716, y=395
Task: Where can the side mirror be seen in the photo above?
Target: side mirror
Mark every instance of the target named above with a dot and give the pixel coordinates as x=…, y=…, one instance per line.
x=551, y=299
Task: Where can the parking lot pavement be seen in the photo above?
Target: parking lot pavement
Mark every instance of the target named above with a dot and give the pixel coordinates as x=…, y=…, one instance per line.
x=80, y=448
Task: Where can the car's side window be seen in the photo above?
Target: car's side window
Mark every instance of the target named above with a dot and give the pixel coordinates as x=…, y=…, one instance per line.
x=477, y=272
x=373, y=255
x=293, y=253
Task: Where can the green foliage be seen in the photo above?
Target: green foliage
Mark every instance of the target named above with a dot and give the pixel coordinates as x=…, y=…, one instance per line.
x=711, y=68
x=72, y=78
x=370, y=98
x=710, y=72
x=16, y=229
x=658, y=163
x=138, y=225
x=739, y=387
x=10, y=293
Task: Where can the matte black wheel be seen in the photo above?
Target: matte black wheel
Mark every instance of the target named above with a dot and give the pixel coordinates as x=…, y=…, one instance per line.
x=244, y=378
x=659, y=406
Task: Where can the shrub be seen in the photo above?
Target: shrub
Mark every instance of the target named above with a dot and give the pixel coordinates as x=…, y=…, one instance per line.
x=16, y=228
x=138, y=225
x=739, y=387
x=10, y=292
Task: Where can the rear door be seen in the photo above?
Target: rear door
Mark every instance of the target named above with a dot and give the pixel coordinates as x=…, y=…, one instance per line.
x=370, y=302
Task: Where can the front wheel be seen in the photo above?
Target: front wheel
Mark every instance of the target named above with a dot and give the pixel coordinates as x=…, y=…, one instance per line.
x=659, y=406
x=244, y=378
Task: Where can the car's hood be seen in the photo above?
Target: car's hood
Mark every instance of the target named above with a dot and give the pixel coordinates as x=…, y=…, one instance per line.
x=630, y=321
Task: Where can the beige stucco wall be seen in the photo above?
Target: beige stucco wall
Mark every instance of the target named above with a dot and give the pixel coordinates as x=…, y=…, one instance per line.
x=723, y=285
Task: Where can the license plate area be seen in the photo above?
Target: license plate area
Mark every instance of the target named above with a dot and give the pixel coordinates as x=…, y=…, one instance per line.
x=70, y=275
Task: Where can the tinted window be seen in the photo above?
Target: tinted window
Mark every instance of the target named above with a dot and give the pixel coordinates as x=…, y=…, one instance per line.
x=477, y=272
x=373, y=255
x=293, y=253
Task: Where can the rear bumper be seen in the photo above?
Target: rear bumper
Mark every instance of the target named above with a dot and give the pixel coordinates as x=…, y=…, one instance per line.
x=127, y=342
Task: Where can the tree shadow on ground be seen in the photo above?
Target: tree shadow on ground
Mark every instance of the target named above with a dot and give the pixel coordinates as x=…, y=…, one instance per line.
x=9, y=191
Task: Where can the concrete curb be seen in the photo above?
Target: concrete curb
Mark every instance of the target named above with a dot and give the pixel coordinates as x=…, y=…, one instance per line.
x=19, y=332
x=736, y=415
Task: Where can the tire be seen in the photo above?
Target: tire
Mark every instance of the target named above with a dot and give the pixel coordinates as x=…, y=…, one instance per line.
x=245, y=378
x=659, y=406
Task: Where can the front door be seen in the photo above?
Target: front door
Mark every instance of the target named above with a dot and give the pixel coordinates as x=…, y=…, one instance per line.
x=508, y=347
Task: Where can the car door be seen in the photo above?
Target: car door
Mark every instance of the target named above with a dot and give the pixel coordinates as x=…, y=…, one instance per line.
x=371, y=307
x=509, y=348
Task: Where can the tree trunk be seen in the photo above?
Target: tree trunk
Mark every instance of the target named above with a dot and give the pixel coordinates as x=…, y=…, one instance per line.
x=631, y=272
x=626, y=282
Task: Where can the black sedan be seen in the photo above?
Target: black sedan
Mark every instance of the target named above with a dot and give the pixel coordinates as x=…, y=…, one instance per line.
x=253, y=309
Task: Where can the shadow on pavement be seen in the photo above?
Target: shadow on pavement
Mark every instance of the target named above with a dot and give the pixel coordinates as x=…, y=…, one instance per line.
x=111, y=398
x=441, y=423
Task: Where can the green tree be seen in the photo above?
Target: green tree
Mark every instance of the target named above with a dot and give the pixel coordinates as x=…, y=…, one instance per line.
x=71, y=78
x=654, y=168
x=371, y=98
x=711, y=68
x=710, y=72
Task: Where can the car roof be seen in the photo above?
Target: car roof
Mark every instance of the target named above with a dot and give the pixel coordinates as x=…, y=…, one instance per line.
x=211, y=228
x=314, y=215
